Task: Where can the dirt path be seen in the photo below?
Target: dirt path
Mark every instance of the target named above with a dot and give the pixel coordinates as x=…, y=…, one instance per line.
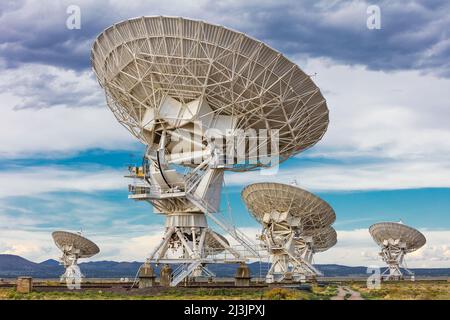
x=344, y=292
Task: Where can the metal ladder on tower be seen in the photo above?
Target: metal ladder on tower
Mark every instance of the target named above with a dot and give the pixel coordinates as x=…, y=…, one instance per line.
x=194, y=178
x=184, y=273
x=238, y=235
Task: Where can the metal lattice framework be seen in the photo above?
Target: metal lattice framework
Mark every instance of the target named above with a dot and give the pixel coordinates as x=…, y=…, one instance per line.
x=270, y=197
x=73, y=247
x=322, y=239
x=168, y=81
x=396, y=240
x=140, y=61
x=296, y=224
x=315, y=241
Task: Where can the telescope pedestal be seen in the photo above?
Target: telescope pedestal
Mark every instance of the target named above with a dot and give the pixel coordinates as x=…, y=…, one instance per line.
x=189, y=243
x=393, y=255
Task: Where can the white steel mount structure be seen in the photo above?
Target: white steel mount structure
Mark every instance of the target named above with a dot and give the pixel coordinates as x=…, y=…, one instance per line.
x=396, y=240
x=296, y=224
x=315, y=241
x=73, y=247
x=204, y=99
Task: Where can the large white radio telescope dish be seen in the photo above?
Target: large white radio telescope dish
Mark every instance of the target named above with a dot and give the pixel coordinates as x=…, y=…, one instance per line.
x=167, y=72
x=183, y=87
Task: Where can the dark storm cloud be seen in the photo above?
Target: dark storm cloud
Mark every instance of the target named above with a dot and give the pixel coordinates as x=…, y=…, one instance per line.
x=36, y=32
x=413, y=35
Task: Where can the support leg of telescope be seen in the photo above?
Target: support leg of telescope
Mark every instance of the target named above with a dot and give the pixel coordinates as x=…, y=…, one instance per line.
x=162, y=245
x=393, y=272
x=224, y=244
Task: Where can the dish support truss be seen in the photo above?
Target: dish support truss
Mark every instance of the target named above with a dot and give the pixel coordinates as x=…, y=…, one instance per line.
x=186, y=200
x=69, y=259
x=290, y=254
x=393, y=253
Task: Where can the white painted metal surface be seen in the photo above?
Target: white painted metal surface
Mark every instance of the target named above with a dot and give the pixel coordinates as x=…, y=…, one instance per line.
x=173, y=71
x=296, y=224
x=183, y=87
x=73, y=247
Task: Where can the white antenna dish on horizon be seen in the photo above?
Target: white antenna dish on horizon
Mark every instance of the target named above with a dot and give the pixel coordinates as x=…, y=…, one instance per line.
x=396, y=240
x=73, y=247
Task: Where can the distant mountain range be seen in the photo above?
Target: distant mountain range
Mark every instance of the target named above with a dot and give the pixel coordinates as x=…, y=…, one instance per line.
x=12, y=266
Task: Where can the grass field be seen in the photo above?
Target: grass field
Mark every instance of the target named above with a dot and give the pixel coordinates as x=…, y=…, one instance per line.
x=316, y=293
x=406, y=290
x=419, y=290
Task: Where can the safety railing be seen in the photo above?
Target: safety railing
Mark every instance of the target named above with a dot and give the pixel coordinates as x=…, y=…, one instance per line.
x=219, y=254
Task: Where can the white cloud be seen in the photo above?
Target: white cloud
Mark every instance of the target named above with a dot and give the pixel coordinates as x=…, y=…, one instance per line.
x=355, y=176
x=36, y=180
x=47, y=110
x=397, y=115
x=388, y=131
x=436, y=251
x=356, y=248
x=37, y=245
x=41, y=86
x=398, y=120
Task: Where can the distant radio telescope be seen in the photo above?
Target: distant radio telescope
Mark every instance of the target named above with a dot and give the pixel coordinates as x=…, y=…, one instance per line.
x=321, y=240
x=296, y=224
x=396, y=240
x=203, y=99
x=73, y=247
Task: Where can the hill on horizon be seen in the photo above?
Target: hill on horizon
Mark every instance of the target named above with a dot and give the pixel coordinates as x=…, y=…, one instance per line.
x=12, y=266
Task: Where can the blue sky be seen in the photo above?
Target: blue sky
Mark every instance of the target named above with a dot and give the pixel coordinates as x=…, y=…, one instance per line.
x=385, y=156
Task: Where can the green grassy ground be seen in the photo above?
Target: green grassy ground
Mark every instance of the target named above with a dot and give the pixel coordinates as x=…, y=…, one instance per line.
x=406, y=290
x=419, y=290
x=316, y=293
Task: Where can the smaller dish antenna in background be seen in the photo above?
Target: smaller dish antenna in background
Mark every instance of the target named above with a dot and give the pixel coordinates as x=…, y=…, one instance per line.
x=73, y=247
x=396, y=240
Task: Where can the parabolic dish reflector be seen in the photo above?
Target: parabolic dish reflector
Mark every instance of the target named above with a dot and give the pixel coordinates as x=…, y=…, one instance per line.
x=211, y=243
x=67, y=239
x=412, y=238
x=323, y=239
x=275, y=198
x=141, y=61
